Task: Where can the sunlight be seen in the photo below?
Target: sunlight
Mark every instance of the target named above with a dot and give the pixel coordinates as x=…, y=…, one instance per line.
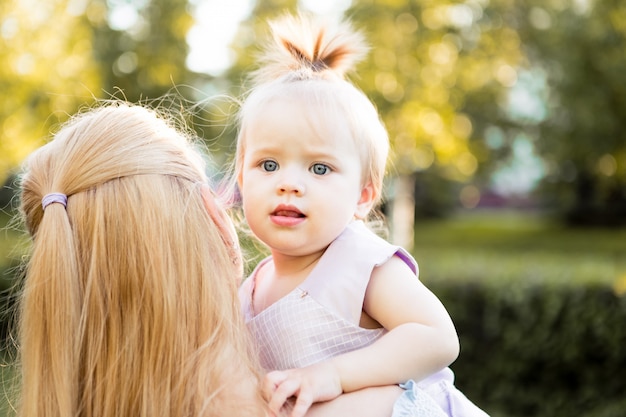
x=209, y=39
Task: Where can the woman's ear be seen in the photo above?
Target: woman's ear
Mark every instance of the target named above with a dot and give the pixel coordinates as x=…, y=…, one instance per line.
x=365, y=203
x=240, y=179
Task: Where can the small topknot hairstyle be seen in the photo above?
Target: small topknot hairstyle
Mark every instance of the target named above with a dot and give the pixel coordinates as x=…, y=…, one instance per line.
x=305, y=48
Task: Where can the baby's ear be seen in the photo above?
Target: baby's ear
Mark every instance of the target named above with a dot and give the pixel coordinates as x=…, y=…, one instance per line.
x=364, y=206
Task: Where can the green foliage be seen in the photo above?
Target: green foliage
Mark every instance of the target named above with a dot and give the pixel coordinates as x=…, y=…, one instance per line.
x=60, y=56
x=9, y=383
x=146, y=59
x=539, y=350
x=13, y=244
x=508, y=248
x=578, y=49
x=47, y=72
x=435, y=71
x=539, y=310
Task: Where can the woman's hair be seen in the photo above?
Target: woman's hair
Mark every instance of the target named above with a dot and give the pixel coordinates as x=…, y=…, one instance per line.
x=307, y=62
x=129, y=304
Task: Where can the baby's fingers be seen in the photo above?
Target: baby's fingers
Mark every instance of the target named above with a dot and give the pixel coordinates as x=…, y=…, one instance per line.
x=302, y=405
x=284, y=389
x=271, y=382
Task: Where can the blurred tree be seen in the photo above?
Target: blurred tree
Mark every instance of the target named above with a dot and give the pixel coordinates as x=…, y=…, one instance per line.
x=439, y=73
x=47, y=72
x=140, y=46
x=141, y=50
x=428, y=61
x=579, y=48
x=62, y=54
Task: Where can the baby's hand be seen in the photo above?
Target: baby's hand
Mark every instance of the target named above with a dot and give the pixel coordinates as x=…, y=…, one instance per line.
x=315, y=383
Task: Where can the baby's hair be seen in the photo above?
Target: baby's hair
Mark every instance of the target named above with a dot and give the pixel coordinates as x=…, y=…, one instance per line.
x=307, y=61
x=129, y=303
x=303, y=48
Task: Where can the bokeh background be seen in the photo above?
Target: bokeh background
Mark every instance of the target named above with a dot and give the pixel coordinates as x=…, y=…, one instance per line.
x=508, y=169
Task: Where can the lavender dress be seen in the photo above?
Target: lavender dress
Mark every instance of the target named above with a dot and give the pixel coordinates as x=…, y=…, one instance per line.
x=320, y=318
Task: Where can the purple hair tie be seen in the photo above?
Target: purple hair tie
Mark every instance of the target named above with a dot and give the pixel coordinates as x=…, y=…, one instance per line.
x=53, y=198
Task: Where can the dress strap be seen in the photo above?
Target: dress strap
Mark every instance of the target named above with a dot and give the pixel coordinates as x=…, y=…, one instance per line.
x=340, y=278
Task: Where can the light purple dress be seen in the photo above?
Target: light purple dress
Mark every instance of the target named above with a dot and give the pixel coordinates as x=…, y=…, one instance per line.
x=320, y=319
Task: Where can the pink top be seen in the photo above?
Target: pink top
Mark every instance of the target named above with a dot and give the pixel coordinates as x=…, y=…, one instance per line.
x=320, y=318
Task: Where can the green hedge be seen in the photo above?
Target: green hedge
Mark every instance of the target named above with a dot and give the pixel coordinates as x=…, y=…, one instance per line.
x=540, y=350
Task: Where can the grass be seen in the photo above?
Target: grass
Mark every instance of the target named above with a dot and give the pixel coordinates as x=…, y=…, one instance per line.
x=521, y=248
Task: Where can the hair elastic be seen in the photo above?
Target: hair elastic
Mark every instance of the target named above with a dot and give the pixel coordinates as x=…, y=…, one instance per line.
x=53, y=198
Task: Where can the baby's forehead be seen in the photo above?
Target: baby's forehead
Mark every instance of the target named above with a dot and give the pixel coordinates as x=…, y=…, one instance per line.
x=322, y=99
x=299, y=132
x=329, y=107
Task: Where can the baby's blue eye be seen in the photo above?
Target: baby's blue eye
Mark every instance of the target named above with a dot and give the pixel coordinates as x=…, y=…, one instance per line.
x=269, y=166
x=320, y=169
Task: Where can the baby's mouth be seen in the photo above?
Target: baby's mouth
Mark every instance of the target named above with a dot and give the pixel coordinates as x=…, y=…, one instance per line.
x=284, y=210
x=288, y=213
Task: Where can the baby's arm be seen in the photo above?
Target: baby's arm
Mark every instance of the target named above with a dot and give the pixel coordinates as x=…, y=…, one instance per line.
x=421, y=340
x=368, y=402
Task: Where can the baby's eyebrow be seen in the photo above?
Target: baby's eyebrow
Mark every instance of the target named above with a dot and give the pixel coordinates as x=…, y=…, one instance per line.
x=264, y=149
x=323, y=157
x=258, y=154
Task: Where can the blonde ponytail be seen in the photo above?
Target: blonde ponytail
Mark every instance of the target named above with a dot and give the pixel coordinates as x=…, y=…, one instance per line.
x=50, y=313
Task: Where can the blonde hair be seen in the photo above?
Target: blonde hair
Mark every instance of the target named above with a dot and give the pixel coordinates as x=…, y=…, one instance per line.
x=308, y=60
x=129, y=304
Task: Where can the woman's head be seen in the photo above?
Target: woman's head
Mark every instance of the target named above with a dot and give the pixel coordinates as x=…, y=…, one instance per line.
x=129, y=303
x=108, y=143
x=306, y=64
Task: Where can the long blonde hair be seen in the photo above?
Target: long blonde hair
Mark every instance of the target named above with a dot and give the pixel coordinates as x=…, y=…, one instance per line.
x=307, y=60
x=129, y=304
